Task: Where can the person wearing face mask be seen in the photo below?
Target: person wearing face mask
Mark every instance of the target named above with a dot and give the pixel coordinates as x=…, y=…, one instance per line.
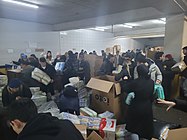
x=15, y=90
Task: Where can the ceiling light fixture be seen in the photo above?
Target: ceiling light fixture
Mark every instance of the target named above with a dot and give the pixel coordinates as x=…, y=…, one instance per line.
x=125, y=25
x=100, y=28
x=22, y=3
x=159, y=21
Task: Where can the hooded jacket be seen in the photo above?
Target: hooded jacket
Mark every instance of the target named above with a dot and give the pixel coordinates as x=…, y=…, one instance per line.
x=154, y=71
x=46, y=127
x=69, y=101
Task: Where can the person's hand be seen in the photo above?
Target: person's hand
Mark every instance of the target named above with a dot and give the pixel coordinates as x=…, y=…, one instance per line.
x=158, y=81
x=170, y=104
x=18, y=97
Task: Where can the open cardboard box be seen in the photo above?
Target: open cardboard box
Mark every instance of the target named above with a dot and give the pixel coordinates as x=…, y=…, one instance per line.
x=106, y=95
x=177, y=134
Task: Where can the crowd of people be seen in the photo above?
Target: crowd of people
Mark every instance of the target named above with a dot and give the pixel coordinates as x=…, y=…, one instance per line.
x=138, y=75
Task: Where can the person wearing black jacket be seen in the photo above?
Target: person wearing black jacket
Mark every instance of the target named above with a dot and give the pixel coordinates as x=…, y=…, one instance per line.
x=107, y=66
x=84, y=69
x=6, y=133
x=168, y=75
x=15, y=90
x=184, y=74
x=51, y=72
x=69, y=101
x=140, y=113
x=70, y=68
x=29, y=125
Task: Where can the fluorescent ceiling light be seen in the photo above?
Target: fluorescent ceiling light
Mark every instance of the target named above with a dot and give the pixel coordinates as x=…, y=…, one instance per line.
x=63, y=33
x=132, y=24
x=159, y=21
x=125, y=25
x=22, y=3
x=163, y=19
x=100, y=28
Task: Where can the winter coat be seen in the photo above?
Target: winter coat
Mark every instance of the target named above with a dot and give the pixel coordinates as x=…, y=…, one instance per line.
x=46, y=127
x=8, y=97
x=139, y=113
x=154, y=71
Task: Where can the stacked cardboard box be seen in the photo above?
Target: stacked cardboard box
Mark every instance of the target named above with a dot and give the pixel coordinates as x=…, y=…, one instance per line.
x=95, y=63
x=1, y=89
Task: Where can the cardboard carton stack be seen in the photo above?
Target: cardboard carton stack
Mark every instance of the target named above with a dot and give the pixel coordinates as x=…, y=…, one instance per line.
x=3, y=83
x=106, y=96
x=38, y=96
x=95, y=63
x=41, y=76
x=1, y=88
x=83, y=94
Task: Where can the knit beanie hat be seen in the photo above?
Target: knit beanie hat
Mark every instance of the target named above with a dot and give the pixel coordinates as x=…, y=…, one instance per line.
x=14, y=83
x=169, y=56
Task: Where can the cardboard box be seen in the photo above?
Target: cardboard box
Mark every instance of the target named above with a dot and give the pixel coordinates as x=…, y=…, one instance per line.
x=177, y=134
x=106, y=96
x=104, y=135
x=94, y=136
x=82, y=129
x=95, y=63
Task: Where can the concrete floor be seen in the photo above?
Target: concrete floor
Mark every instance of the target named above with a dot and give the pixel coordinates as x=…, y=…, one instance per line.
x=173, y=115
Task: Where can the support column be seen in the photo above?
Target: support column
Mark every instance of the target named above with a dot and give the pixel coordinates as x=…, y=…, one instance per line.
x=175, y=35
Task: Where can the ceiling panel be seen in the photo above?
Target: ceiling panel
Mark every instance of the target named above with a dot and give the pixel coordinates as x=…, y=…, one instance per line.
x=60, y=11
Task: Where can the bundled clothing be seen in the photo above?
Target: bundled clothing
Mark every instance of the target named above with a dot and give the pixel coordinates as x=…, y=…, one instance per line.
x=46, y=127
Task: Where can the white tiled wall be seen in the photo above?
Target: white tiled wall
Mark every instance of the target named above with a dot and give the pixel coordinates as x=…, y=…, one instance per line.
x=85, y=39
x=23, y=42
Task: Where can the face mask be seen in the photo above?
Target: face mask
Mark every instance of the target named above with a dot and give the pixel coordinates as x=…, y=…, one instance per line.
x=43, y=67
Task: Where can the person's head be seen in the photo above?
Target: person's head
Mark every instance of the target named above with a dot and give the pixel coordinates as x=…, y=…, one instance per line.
x=58, y=55
x=127, y=57
x=140, y=59
x=23, y=56
x=111, y=58
x=70, y=54
x=34, y=56
x=70, y=91
x=14, y=85
x=143, y=71
x=159, y=56
x=81, y=57
x=49, y=55
x=168, y=57
x=20, y=112
x=76, y=54
x=184, y=50
x=63, y=58
x=24, y=63
x=42, y=61
x=117, y=52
